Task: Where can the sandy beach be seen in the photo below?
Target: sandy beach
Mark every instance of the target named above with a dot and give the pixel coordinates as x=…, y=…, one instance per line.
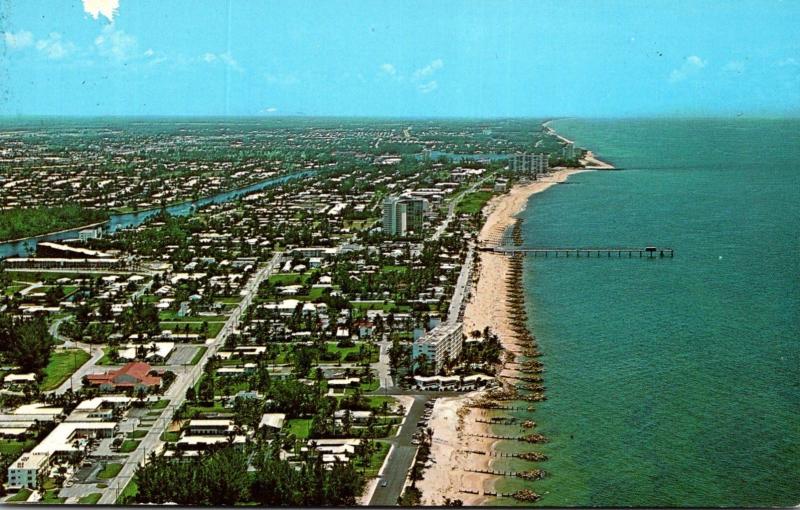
x=589, y=160
x=592, y=163
x=453, y=422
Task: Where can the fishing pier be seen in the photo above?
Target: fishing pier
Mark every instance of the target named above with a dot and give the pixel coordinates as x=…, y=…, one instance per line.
x=639, y=252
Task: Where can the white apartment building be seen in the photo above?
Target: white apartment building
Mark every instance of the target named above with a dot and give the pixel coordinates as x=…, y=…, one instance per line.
x=440, y=344
x=67, y=437
x=528, y=163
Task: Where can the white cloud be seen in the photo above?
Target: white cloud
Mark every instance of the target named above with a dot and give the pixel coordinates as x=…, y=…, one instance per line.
x=270, y=109
x=96, y=8
x=18, y=41
x=734, y=66
x=691, y=65
x=149, y=52
x=54, y=47
x=115, y=44
x=225, y=58
x=389, y=69
x=429, y=69
x=788, y=62
x=428, y=87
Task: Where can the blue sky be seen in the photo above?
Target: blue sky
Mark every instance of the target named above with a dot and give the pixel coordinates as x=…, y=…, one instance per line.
x=399, y=58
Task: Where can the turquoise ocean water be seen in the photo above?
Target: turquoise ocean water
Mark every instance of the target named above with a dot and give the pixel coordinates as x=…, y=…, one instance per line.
x=674, y=381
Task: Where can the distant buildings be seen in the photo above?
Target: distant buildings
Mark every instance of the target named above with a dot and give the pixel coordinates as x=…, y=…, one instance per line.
x=440, y=345
x=527, y=163
x=90, y=233
x=403, y=215
x=568, y=151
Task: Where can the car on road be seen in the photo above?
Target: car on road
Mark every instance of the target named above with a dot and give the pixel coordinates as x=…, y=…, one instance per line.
x=384, y=483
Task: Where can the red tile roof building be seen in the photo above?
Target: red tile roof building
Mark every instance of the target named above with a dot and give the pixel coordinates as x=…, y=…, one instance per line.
x=133, y=375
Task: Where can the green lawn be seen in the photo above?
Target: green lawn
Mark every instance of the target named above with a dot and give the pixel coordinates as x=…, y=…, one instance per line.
x=128, y=493
x=344, y=351
x=171, y=315
x=110, y=471
x=394, y=269
x=376, y=402
x=91, y=499
x=11, y=289
x=106, y=359
x=389, y=306
x=198, y=355
x=21, y=496
x=194, y=410
x=374, y=385
x=62, y=365
x=229, y=300
x=51, y=498
x=138, y=433
x=194, y=327
x=473, y=202
x=300, y=427
x=128, y=446
x=171, y=437
x=14, y=448
x=33, y=277
x=313, y=294
x=161, y=404
x=376, y=460
x=289, y=278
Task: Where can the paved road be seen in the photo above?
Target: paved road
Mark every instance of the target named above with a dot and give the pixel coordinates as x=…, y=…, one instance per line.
x=401, y=458
x=382, y=368
x=177, y=392
x=451, y=210
x=54, y=330
x=461, y=290
x=31, y=288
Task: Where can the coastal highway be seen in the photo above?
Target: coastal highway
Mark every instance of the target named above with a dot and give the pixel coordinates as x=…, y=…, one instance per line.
x=177, y=392
x=400, y=459
x=451, y=209
x=461, y=290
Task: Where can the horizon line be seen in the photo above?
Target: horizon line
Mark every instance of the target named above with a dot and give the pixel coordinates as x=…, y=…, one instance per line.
x=544, y=118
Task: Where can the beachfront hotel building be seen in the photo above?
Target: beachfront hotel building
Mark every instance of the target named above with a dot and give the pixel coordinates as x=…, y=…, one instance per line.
x=403, y=214
x=440, y=344
x=528, y=163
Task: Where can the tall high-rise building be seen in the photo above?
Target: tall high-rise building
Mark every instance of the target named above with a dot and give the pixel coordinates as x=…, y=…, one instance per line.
x=528, y=163
x=440, y=345
x=403, y=215
x=568, y=150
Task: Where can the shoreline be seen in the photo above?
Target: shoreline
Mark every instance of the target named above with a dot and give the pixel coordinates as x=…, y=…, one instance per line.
x=453, y=422
x=589, y=160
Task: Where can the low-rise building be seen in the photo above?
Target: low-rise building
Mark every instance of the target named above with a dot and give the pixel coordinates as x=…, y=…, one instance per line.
x=132, y=376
